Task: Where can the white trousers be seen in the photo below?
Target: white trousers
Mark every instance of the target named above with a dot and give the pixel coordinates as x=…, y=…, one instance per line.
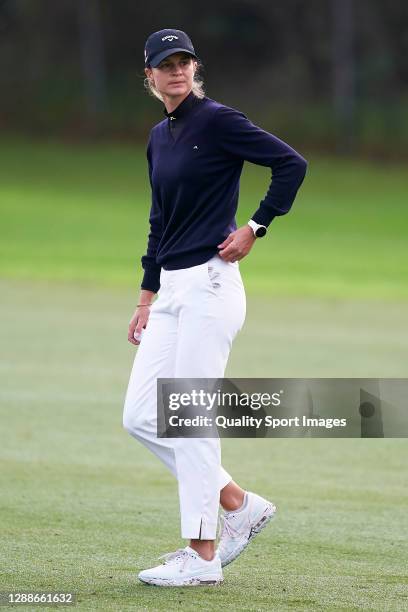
x=191, y=327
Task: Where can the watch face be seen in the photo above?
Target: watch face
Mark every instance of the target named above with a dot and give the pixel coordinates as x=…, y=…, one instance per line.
x=261, y=231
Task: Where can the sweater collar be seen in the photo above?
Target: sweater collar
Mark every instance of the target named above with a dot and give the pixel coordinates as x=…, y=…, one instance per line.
x=183, y=108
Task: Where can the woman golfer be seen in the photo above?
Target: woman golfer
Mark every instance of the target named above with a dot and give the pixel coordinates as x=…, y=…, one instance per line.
x=195, y=158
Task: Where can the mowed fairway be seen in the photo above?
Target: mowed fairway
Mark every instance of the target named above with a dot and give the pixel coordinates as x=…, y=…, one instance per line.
x=84, y=507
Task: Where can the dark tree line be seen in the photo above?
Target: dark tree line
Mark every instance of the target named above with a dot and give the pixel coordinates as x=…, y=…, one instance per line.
x=76, y=66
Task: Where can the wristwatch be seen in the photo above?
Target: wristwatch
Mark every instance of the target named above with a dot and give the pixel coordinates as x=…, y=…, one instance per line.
x=259, y=230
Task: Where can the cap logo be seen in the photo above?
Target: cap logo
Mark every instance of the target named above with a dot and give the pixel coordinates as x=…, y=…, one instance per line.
x=170, y=37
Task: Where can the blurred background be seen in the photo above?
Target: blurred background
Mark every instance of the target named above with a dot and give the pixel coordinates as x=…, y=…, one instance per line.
x=327, y=289
x=328, y=77
x=329, y=74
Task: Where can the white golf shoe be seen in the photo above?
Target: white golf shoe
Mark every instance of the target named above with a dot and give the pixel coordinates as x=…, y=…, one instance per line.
x=184, y=567
x=239, y=528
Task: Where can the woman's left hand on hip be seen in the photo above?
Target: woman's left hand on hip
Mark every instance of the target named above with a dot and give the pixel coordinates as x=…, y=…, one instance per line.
x=237, y=245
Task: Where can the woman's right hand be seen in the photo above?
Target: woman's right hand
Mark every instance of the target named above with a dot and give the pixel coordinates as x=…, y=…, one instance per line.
x=137, y=323
x=140, y=317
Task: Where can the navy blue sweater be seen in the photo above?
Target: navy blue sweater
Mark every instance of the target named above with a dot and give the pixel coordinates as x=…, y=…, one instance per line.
x=194, y=172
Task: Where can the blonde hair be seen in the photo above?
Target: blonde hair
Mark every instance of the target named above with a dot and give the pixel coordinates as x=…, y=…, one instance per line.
x=197, y=89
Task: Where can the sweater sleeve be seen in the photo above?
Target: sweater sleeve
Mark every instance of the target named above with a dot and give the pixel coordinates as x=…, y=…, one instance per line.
x=151, y=277
x=242, y=139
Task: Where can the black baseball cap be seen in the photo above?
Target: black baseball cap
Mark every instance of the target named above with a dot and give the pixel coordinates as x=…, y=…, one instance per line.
x=165, y=42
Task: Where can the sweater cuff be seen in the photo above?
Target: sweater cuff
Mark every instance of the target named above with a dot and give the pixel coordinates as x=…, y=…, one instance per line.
x=262, y=217
x=151, y=279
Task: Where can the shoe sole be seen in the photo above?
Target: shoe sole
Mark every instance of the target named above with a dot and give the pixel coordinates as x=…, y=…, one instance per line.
x=266, y=516
x=194, y=581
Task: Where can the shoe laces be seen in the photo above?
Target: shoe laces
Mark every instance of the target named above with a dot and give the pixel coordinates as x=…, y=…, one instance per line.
x=176, y=556
x=226, y=529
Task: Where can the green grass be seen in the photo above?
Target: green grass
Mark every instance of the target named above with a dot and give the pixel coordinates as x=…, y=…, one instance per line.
x=84, y=507
x=71, y=213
